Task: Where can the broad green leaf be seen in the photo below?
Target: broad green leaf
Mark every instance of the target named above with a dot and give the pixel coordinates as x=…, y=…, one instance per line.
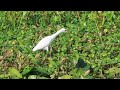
x=65, y=77
x=26, y=70
x=14, y=72
x=42, y=70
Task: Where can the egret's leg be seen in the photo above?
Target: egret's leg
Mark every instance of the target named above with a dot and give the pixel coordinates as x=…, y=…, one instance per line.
x=50, y=50
x=45, y=55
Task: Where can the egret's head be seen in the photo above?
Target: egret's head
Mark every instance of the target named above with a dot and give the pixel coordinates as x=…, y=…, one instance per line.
x=62, y=30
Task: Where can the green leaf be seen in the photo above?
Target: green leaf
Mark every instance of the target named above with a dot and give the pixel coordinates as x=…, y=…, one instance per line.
x=2, y=76
x=26, y=70
x=43, y=78
x=32, y=77
x=14, y=72
x=113, y=70
x=65, y=77
x=42, y=70
x=52, y=66
x=24, y=13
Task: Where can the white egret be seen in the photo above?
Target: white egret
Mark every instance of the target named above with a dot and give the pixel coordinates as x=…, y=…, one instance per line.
x=45, y=42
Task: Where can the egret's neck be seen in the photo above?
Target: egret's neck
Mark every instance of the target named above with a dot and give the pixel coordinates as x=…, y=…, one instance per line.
x=56, y=34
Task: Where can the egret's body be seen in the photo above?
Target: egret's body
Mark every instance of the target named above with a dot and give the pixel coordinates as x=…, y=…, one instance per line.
x=45, y=42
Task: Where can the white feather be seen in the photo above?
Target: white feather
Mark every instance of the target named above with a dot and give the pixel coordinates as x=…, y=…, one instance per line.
x=45, y=42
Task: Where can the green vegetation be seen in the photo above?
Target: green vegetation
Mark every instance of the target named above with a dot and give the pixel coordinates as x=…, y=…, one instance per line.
x=92, y=36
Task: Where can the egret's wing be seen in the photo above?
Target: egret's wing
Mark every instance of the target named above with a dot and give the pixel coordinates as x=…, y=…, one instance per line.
x=43, y=43
x=46, y=48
